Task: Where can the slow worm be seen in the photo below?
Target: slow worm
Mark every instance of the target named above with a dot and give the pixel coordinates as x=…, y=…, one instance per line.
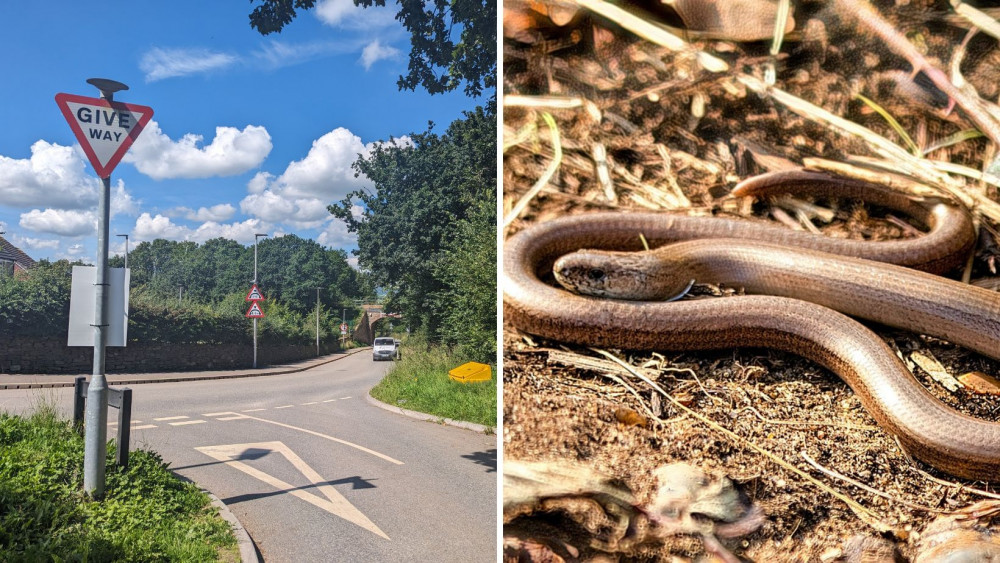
x=802, y=285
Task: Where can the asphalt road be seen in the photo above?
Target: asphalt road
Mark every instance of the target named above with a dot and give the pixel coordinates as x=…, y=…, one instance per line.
x=313, y=471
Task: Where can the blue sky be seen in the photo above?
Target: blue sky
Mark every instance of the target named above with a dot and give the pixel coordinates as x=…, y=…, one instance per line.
x=249, y=133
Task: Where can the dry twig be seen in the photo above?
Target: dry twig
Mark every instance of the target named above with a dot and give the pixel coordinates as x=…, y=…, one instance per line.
x=872, y=490
x=866, y=515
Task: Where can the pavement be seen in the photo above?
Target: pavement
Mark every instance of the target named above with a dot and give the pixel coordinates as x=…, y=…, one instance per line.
x=39, y=381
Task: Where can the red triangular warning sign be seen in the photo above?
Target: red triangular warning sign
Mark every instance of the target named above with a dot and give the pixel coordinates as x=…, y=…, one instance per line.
x=255, y=294
x=254, y=312
x=104, y=129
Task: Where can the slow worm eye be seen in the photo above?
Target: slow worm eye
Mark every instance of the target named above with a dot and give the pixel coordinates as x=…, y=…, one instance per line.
x=595, y=274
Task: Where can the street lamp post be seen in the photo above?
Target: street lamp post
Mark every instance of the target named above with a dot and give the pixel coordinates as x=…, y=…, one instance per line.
x=256, y=237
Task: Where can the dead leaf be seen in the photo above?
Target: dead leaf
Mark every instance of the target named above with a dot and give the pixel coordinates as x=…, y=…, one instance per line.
x=629, y=417
x=980, y=383
x=929, y=363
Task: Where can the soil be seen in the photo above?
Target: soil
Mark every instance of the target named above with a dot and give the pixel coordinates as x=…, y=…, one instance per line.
x=677, y=139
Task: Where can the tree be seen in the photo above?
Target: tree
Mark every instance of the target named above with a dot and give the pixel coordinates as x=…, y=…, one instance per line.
x=226, y=267
x=437, y=61
x=468, y=273
x=423, y=194
x=36, y=304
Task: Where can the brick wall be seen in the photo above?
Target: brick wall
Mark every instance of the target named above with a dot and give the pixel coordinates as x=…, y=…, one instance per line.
x=51, y=355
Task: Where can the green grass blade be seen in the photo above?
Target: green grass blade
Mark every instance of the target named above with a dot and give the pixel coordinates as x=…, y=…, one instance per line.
x=892, y=123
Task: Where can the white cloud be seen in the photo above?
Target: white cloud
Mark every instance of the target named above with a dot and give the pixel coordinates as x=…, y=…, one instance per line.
x=300, y=195
x=277, y=54
x=70, y=223
x=231, y=152
x=160, y=63
x=36, y=243
x=220, y=212
x=299, y=212
x=259, y=182
x=54, y=175
x=75, y=250
x=122, y=202
x=336, y=236
x=242, y=232
x=149, y=228
x=343, y=13
x=376, y=51
x=326, y=170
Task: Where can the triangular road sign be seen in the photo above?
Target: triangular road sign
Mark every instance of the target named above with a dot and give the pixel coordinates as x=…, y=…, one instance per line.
x=255, y=294
x=254, y=312
x=104, y=129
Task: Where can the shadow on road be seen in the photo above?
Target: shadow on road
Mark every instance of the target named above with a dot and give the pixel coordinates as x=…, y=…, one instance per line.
x=487, y=458
x=356, y=482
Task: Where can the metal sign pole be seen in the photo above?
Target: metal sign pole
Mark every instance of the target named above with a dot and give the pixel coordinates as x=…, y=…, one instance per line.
x=95, y=440
x=96, y=423
x=256, y=237
x=255, y=318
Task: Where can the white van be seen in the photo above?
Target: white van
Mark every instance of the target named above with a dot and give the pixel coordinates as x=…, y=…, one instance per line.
x=384, y=349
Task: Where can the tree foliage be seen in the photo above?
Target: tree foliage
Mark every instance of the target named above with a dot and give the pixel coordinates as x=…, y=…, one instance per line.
x=438, y=62
x=467, y=270
x=289, y=269
x=428, y=217
x=36, y=303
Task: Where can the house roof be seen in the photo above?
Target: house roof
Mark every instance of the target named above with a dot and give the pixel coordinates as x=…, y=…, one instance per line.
x=10, y=252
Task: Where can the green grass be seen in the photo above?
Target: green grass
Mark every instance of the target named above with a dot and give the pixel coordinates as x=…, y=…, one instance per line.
x=420, y=382
x=147, y=514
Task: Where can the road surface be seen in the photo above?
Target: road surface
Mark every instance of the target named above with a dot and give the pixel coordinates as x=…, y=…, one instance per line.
x=312, y=470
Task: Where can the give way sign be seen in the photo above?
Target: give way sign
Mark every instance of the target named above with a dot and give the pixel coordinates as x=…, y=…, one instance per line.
x=105, y=129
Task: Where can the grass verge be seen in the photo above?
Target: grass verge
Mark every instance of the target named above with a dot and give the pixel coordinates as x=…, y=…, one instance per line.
x=147, y=513
x=420, y=382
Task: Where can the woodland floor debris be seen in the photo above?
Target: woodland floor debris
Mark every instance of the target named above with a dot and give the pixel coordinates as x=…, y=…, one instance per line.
x=676, y=137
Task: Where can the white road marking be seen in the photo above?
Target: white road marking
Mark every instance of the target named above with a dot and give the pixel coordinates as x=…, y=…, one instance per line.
x=170, y=418
x=312, y=403
x=342, y=398
x=113, y=422
x=186, y=422
x=285, y=407
x=334, y=503
x=143, y=427
x=329, y=400
x=216, y=413
x=237, y=417
x=338, y=440
x=254, y=410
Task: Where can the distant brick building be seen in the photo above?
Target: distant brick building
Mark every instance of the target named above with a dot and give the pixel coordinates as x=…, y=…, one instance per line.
x=13, y=259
